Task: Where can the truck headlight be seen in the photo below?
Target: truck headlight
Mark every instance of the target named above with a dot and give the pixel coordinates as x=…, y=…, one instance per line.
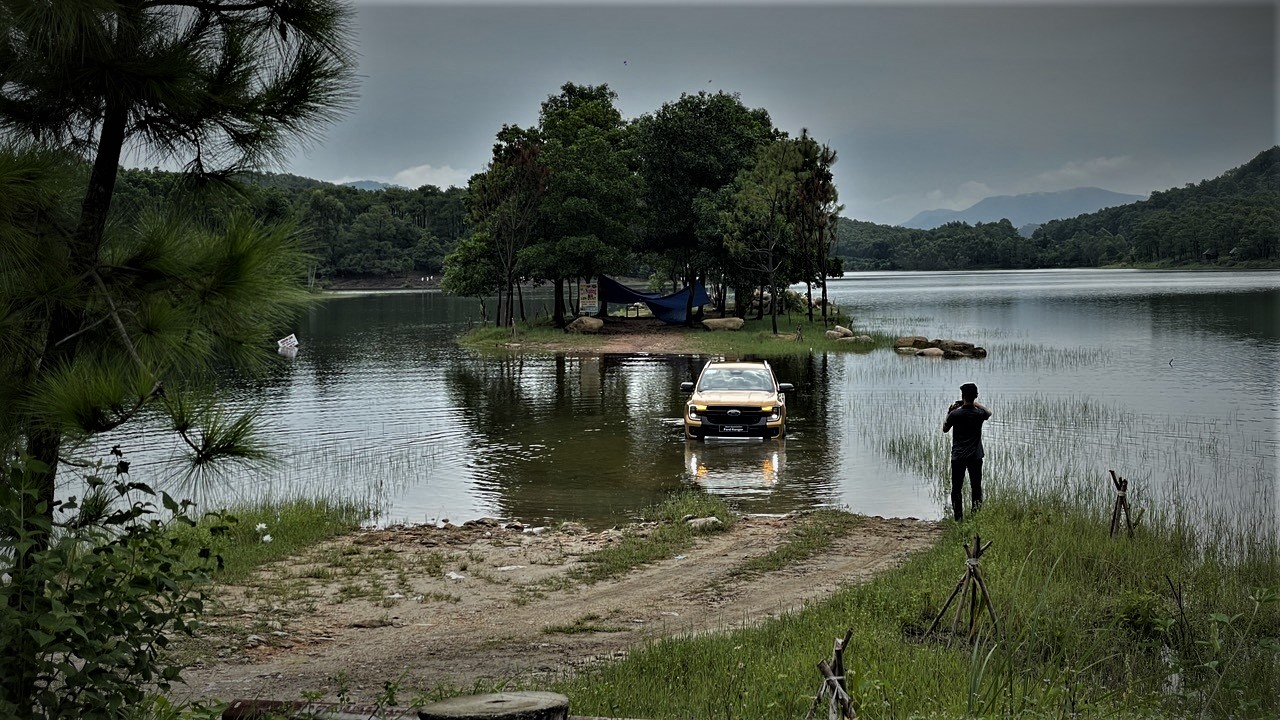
x=693, y=412
x=775, y=416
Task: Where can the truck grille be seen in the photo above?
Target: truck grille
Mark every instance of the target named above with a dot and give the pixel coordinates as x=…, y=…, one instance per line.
x=725, y=415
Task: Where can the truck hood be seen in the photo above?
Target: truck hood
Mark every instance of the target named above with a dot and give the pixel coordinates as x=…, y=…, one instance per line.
x=735, y=397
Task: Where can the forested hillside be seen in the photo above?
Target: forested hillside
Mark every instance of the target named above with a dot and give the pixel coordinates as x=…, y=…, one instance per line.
x=1233, y=219
x=351, y=232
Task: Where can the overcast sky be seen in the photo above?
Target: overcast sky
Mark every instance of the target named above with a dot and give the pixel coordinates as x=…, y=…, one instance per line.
x=928, y=105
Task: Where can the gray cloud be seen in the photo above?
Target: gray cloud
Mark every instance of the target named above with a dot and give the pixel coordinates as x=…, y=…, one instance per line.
x=928, y=105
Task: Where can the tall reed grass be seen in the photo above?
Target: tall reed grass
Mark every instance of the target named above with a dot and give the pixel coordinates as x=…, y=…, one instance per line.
x=1090, y=626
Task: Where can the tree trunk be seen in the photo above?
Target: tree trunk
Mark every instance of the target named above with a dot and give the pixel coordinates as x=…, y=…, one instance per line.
x=558, y=311
x=760, y=309
x=773, y=308
x=823, y=269
x=520, y=295
x=45, y=443
x=690, y=279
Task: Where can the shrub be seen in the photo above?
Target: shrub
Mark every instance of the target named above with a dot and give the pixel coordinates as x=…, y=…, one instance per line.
x=90, y=592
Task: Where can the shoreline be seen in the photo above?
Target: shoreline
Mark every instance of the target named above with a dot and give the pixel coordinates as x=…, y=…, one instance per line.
x=429, y=282
x=499, y=601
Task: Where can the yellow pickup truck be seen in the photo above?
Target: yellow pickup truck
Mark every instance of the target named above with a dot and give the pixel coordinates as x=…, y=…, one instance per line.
x=736, y=400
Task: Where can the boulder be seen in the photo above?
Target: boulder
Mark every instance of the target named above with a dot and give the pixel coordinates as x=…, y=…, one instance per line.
x=930, y=352
x=833, y=335
x=729, y=323
x=959, y=346
x=915, y=341
x=979, y=352
x=857, y=339
x=844, y=331
x=585, y=325
x=905, y=350
x=953, y=354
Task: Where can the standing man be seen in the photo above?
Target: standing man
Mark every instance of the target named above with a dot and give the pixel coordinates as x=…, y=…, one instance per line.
x=966, y=416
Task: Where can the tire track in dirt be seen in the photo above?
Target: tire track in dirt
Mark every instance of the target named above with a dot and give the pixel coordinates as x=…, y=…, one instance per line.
x=495, y=632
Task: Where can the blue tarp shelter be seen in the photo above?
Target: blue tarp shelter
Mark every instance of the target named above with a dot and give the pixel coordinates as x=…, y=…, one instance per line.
x=667, y=308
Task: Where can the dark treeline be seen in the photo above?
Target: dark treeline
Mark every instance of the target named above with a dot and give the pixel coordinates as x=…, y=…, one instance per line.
x=350, y=232
x=1233, y=219
x=1228, y=220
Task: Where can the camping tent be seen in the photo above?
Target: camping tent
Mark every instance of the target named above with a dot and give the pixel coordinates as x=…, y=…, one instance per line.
x=667, y=308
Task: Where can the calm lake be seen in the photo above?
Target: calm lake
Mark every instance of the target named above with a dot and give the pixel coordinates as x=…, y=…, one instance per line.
x=1169, y=378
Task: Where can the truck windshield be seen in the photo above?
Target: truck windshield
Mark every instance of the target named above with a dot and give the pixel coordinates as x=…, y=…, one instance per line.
x=724, y=379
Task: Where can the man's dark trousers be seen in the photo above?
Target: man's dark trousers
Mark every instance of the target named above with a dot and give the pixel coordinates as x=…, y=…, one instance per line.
x=958, y=467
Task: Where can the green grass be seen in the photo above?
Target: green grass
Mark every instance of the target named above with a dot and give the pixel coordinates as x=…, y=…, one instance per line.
x=293, y=526
x=640, y=546
x=810, y=536
x=537, y=332
x=1084, y=618
x=756, y=338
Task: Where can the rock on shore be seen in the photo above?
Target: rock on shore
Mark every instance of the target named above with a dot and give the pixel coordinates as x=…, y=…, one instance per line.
x=921, y=346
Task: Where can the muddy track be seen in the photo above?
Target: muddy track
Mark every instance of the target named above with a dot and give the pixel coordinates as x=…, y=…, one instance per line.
x=474, y=606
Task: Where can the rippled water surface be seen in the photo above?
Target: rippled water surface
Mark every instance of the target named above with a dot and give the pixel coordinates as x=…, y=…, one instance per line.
x=1170, y=378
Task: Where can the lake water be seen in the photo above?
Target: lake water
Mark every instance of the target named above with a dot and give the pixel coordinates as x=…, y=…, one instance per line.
x=1169, y=378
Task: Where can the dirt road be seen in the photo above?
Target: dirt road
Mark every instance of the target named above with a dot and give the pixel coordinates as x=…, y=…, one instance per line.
x=483, y=603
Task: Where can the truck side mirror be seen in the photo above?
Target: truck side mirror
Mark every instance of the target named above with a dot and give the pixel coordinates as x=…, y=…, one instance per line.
x=686, y=387
x=786, y=387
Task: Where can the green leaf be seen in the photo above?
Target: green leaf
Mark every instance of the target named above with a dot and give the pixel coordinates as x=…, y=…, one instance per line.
x=43, y=639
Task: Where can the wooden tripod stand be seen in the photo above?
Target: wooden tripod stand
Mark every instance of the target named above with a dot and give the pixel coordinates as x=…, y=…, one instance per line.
x=971, y=584
x=834, y=688
x=1122, y=504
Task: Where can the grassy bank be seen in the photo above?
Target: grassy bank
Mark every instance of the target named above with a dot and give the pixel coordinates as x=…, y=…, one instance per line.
x=756, y=339
x=1090, y=626
x=272, y=531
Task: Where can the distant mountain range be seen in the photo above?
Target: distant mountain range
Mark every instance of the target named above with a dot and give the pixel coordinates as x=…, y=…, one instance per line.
x=1029, y=209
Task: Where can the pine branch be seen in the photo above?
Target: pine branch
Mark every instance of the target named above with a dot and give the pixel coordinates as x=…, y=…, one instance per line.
x=115, y=315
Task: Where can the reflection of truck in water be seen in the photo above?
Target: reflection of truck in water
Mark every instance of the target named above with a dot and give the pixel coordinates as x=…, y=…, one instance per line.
x=734, y=466
x=736, y=400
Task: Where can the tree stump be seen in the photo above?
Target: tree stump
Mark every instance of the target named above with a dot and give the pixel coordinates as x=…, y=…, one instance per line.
x=500, y=706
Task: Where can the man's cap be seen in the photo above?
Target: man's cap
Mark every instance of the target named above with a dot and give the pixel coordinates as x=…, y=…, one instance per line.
x=968, y=389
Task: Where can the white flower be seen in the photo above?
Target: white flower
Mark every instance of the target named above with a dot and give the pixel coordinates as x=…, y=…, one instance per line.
x=260, y=527
x=266, y=538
